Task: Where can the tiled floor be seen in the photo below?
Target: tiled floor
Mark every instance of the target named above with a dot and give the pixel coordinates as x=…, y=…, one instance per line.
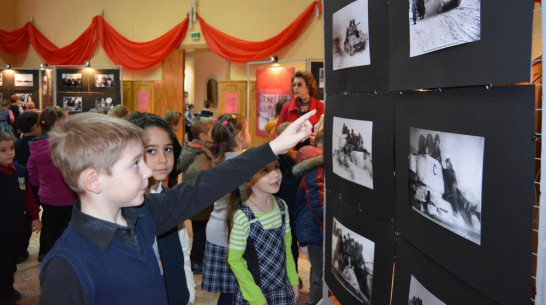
x=26, y=279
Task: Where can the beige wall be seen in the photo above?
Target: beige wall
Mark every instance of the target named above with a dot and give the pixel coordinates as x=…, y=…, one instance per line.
x=206, y=63
x=63, y=21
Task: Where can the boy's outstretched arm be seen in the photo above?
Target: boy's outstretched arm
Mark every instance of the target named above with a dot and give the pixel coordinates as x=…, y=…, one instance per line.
x=297, y=131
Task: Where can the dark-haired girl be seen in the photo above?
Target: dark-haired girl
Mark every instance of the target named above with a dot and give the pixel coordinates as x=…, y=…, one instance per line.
x=231, y=131
x=54, y=195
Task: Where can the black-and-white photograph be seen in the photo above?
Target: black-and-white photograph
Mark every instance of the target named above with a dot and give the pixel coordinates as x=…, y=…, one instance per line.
x=445, y=179
x=104, y=103
x=23, y=80
x=1, y=78
x=353, y=261
x=439, y=24
x=350, y=36
x=72, y=103
x=104, y=80
x=352, y=150
x=419, y=295
x=24, y=97
x=72, y=79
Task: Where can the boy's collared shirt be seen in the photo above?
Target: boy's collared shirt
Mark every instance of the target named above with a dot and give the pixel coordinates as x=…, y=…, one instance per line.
x=101, y=232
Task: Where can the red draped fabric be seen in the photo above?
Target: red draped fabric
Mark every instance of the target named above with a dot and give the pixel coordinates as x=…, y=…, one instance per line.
x=75, y=53
x=14, y=42
x=239, y=50
x=139, y=55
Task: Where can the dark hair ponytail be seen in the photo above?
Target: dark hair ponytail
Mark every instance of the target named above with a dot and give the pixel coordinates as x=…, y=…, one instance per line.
x=47, y=118
x=224, y=131
x=235, y=201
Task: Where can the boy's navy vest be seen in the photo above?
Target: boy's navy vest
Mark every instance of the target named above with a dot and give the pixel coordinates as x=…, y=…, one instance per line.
x=119, y=275
x=13, y=190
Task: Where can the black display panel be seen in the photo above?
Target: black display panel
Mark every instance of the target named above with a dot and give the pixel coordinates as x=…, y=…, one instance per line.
x=358, y=160
x=501, y=55
x=467, y=202
x=419, y=280
x=362, y=78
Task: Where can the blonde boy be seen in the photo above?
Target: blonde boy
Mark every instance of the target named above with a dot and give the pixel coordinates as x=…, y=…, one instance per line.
x=108, y=254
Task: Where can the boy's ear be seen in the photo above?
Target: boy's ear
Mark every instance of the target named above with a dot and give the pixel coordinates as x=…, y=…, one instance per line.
x=90, y=180
x=202, y=136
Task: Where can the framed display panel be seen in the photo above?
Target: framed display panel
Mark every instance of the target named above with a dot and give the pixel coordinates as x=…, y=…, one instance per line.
x=501, y=53
x=344, y=22
x=471, y=212
x=419, y=280
x=358, y=158
x=24, y=83
x=358, y=255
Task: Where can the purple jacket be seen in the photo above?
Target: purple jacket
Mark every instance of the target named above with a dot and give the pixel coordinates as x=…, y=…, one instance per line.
x=43, y=173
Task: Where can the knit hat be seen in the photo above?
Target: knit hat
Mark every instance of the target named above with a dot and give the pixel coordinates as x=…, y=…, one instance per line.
x=307, y=152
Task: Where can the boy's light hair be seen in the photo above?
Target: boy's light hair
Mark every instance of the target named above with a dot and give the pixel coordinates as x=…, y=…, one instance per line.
x=281, y=128
x=90, y=140
x=200, y=125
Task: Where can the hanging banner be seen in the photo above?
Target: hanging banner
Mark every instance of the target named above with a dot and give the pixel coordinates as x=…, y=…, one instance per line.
x=272, y=85
x=232, y=102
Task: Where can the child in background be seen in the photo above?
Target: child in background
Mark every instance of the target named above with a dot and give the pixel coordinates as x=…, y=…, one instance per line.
x=196, y=157
x=271, y=126
x=174, y=118
x=259, y=243
x=55, y=196
x=16, y=197
x=105, y=256
x=174, y=245
x=310, y=210
x=230, y=130
x=119, y=111
x=289, y=190
x=6, y=119
x=27, y=123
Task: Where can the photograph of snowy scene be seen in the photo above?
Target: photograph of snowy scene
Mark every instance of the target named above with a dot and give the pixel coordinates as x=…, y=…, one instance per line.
x=445, y=179
x=439, y=24
x=419, y=295
x=350, y=36
x=352, y=150
x=353, y=261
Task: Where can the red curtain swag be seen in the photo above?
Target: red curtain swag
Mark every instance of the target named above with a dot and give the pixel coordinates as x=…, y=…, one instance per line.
x=141, y=55
x=239, y=50
x=75, y=53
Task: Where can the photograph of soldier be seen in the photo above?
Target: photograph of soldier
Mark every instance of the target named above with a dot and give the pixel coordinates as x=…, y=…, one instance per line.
x=445, y=179
x=71, y=79
x=353, y=261
x=72, y=103
x=350, y=36
x=439, y=24
x=419, y=295
x=352, y=150
x=24, y=97
x=104, y=80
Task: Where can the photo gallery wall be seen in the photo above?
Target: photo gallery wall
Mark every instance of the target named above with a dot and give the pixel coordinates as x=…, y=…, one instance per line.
x=437, y=181
x=430, y=167
x=24, y=83
x=80, y=89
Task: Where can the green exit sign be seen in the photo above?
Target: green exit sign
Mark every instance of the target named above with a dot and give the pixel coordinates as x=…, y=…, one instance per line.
x=195, y=35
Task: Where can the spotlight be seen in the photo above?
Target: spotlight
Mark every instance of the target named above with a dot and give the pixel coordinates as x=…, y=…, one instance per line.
x=43, y=66
x=8, y=66
x=87, y=64
x=273, y=59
